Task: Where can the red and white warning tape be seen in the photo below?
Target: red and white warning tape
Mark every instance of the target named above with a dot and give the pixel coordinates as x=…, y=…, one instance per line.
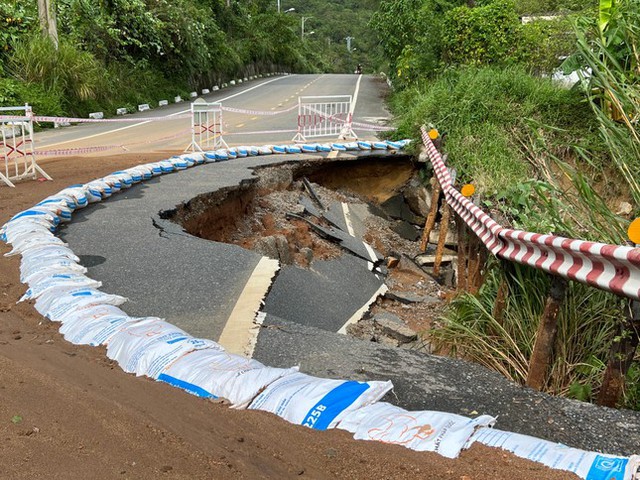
x=102, y=148
x=36, y=118
x=607, y=267
x=259, y=112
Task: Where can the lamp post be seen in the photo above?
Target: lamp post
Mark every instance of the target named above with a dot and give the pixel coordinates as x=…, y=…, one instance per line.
x=286, y=11
x=304, y=19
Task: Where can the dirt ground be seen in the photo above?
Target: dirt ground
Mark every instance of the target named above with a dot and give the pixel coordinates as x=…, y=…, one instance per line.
x=67, y=412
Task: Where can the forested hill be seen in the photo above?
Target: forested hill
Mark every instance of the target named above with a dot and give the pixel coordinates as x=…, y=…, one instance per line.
x=124, y=52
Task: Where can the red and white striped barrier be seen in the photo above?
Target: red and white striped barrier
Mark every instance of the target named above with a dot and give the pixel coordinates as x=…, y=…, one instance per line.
x=608, y=267
x=324, y=116
x=17, y=150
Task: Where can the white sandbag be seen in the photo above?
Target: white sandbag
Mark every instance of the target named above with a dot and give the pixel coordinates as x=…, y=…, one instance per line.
x=77, y=193
x=17, y=228
x=42, y=252
x=59, y=282
x=586, y=465
x=95, y=326
x=32, y=241
x=214, y=373
x=56, y=308
x=39, y=270
x=317, y=403
x=52, y=269
x=423, y=431
x=148, y=347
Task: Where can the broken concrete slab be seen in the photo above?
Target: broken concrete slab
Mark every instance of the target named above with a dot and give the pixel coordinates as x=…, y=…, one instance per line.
x=393, y=326
x=450, y=240
x=410, y=297
x=267, y=246
x=406, y=230
x=407, y=265
x=418, y=198
x=284, y=252
x=429, y=259
x=397, y=208
x=326, y=295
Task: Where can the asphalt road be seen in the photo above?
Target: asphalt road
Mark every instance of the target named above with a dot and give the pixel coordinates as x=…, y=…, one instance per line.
x=195, y=284
x=173, y=133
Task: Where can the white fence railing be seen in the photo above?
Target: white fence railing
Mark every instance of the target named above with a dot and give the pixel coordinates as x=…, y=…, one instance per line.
x=16, y=147
x=324, y=116
x=206, y=126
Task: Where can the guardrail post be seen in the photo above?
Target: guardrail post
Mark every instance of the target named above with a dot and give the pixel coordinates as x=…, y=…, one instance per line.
x=436, y=189
x=444, y=227
x=623, y=351
x=542, y=355
x=461, y=284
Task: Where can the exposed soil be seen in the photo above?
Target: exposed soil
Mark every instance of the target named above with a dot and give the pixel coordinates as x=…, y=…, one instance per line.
x=67, y=412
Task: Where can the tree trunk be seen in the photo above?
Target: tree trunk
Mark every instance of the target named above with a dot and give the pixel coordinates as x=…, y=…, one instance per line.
x=48, y=24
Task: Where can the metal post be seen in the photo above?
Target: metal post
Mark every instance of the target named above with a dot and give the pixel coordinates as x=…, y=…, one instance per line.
x=278, y=6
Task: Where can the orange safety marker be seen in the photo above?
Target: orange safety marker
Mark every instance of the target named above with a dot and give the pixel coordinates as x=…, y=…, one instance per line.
x=433, y=134
x=468, y=190
x=634, y=231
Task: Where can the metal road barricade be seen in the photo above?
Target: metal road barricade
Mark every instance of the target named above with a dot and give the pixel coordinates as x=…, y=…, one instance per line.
x=17, y=149
x=324, y=116
x=206, y=126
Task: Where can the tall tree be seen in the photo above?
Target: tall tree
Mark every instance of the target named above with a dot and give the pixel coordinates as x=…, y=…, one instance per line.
x=47, y=15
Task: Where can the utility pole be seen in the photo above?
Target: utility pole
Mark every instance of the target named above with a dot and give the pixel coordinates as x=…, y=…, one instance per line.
x=348, y=39
x=47, y=16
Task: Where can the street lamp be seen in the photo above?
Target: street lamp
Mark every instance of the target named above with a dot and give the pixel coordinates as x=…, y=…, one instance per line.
x=304, y=19
x=287, y=11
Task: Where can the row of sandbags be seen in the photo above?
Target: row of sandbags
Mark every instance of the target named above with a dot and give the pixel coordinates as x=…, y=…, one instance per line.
x=62, y=292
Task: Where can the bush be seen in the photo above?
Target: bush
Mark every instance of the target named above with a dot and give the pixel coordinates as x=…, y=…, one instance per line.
x=481, y=35
x=16, y=93
x=485, y=113
x=75, y=75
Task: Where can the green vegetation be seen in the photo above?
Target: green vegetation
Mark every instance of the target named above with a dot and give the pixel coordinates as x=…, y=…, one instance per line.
x=115, y=53
x=543, y=158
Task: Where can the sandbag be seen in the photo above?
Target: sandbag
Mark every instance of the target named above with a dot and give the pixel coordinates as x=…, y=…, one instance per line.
x=56, y=307
x=149, y=346
x=60, y=282
x=318, y=403
x=95, y=326
x=213, y=373
x=423, y=431
x=587, y=465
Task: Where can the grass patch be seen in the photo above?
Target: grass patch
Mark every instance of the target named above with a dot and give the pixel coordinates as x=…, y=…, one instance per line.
x=486, y=113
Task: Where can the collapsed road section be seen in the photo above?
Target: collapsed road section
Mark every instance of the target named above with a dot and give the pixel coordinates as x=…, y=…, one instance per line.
x=319, y=220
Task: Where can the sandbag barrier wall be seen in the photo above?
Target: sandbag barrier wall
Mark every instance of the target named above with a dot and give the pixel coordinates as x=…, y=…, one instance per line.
x=153, y=347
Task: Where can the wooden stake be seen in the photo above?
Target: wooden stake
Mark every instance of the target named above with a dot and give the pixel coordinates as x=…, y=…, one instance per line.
x=462, y=254
x=433, y=212
x=444, y=227
x=473, y=264
x=542, y=356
